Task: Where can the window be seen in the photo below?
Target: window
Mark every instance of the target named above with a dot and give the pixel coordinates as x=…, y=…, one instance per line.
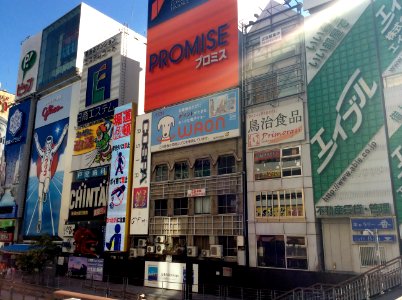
x=202, y=242
x=229, y=244
x=202, y=167
x=162, y=173
x=161, y=207
x=291, y=162
x=180, y=170
x=281, y=251
x=180, y=206
x=296, y=253
x=369, y=256
x=277, y=204
x=202, y=205
x=227, y=204
x=226, y=164
x=276, y=163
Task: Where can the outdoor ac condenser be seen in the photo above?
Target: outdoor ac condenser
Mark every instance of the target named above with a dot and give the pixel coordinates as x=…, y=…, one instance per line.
x=192, y=251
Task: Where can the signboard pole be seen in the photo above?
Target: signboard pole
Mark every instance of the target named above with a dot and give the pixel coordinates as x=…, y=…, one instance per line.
x=188, y=286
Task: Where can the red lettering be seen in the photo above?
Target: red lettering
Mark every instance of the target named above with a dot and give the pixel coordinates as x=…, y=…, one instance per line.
x=47, y=111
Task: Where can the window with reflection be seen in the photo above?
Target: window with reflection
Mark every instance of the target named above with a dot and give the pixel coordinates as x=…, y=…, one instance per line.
x=161, y=172
x=202, y=167
x=180, y=170
x=226, y=164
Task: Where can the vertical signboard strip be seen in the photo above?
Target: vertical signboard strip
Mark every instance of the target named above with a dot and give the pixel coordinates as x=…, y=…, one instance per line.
x=120, y=181
x=141, y=175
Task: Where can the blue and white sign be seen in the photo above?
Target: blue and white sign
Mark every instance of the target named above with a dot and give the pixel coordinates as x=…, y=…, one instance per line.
x=207, y=119
x=373, y=223
x=382, y=238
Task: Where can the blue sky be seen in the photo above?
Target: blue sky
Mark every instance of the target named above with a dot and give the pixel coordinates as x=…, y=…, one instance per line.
x=21, y=18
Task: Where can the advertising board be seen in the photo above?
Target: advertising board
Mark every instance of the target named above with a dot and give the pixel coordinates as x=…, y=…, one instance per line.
x=141, y=175
x=46, y=171
x=387, y=16
x=93, y=145
x=11, y=172
x=28, y=66
x=59, y=47
x=349, y=155
x=168, y=275
x=275, y=125
x=204, y=120
x=192, y=50
x=120, y=180
x=101, y=74
x=88, y=199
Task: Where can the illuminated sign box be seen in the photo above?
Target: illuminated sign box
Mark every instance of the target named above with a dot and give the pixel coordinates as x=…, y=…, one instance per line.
x=193, y=54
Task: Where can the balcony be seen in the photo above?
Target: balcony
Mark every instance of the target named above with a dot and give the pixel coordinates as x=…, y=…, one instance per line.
x=214, y=185
x=212, y=225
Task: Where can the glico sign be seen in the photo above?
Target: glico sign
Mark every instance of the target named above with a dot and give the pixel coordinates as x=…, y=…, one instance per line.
x=192, y=50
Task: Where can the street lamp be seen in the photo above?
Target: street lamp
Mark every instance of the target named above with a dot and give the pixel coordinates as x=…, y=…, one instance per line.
x=377, y=243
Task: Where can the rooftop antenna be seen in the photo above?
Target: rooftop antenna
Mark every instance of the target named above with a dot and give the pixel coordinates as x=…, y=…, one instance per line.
x=27, y=37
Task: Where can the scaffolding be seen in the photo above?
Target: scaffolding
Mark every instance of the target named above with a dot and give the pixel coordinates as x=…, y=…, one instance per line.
x=211, y=225
x=213, y=185
x=273, y=56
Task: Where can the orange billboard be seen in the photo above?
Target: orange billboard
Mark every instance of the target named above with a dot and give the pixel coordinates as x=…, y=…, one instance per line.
x=192, y=54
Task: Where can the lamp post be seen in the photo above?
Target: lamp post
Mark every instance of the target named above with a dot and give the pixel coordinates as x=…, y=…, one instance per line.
x=377, y=244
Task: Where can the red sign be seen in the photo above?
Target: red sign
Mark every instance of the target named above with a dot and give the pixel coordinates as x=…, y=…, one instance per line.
x=6, y=237
x=192, y=54
x=196, y=193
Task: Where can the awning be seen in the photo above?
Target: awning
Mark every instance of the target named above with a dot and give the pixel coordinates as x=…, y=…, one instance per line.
x=17, y=248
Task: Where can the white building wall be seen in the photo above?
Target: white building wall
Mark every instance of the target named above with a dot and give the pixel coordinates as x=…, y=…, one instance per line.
x=95, y=27
x=298, y=227
x=68, y=155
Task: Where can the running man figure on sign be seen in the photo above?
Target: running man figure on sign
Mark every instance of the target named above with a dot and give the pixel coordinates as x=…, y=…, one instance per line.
x=46, y=155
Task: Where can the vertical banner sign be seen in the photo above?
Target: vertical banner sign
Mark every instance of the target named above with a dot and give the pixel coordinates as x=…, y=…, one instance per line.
x=192, y=50
x=99, y=81
x=119, y=187
x=28, y=67
x=46, y=173
x=348, y=142
x=141, y=175
x=15, y=140
x=387, y=17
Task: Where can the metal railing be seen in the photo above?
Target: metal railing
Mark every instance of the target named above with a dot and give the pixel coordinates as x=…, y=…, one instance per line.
x=40, y=286
x=372, y=283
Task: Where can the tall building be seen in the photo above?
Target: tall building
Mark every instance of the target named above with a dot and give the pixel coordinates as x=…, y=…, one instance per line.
x=353, y=79
x=49, y=82
x=282, y=231
x=6, y=190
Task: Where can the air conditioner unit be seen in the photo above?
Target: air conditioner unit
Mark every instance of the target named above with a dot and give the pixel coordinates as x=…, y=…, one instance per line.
x=141, y=251
x=142, y=243
x=204, y=253
x=150, y=249
x=216, y=251
x=192, y=251
x=160, y=239
x=160, y=248
x=133, y=252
